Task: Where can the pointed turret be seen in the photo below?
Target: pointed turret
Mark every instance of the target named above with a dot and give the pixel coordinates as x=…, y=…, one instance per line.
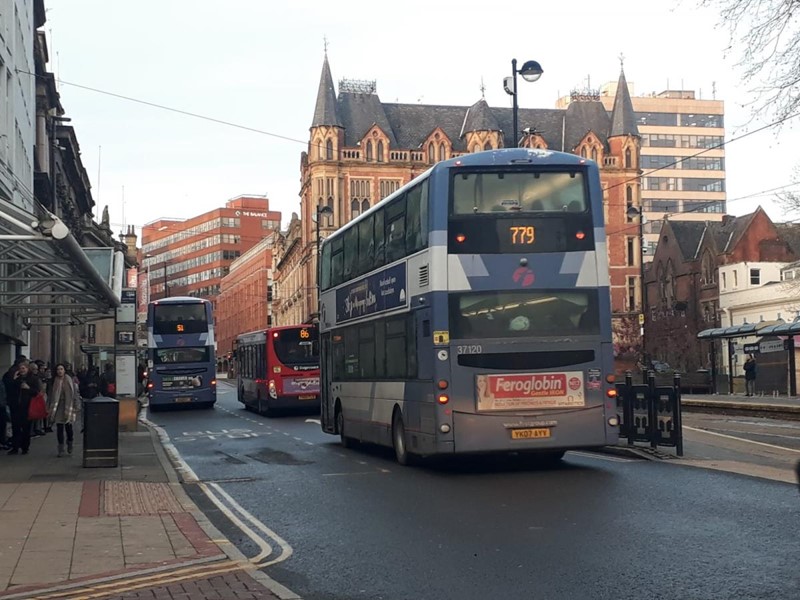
x=325, y=110
x=623, y=119
x=480, y=118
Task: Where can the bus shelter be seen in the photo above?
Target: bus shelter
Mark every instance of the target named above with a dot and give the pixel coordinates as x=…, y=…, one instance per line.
x=786, y=332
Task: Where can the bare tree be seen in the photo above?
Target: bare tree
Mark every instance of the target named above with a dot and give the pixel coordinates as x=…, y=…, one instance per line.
x=766, y=36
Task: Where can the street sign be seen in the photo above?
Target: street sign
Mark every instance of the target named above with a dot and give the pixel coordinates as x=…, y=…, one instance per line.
x=771, y=346
x=751, y=349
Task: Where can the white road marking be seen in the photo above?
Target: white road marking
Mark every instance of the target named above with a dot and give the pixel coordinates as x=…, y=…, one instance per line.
x=733, y=437
x=191, y=477
x=309, y=444
x=317, y=421
x=602, y=457
x=379, y=472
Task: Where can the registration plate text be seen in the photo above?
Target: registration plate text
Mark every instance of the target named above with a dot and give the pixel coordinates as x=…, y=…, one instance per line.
x=530, y=434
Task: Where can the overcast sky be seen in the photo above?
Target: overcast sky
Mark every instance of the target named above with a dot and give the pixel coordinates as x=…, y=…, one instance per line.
x=256, y=63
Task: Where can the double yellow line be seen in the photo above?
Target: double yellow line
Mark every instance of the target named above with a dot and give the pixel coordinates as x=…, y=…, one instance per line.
x=113, y=588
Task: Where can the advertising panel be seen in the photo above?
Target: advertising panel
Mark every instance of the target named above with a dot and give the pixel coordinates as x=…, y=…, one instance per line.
x=376, y=293
x=529, y=391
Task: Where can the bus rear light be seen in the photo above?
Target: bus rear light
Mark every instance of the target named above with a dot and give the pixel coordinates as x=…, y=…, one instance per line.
x=611, y=393
x=610, y=378
x=445, y=428
x=150, y=386
x=273, y=390
x=213, y=382
x=461, y=238
x=275, y=334
x=613, y=421
x=276, y=369
x=580, y=235
x=442, y=398
x=443, y=384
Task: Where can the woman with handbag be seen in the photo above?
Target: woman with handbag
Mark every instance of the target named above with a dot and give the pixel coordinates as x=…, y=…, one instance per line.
x=64, y=404
x=24, y=387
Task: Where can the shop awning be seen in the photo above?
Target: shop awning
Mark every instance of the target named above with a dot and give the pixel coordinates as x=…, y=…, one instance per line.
x=45, y=276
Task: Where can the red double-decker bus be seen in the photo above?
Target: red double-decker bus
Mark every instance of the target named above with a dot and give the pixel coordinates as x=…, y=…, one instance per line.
x=278, y=369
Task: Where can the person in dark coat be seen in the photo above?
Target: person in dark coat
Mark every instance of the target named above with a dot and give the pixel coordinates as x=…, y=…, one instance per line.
x=750, y=368
x=108, y=382
x=24, y=386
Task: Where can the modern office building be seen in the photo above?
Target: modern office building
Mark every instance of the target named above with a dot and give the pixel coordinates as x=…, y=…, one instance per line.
x=190, y=257
x=682, y=156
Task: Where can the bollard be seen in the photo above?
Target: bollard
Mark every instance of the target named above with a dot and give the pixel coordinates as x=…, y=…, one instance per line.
x=676, y=383
x=652, y=412
x=627, y=408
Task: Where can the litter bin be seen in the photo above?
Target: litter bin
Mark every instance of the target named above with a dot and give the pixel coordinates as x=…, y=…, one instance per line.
x=100, y=432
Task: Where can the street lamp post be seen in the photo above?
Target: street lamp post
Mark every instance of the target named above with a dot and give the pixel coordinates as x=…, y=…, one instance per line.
x=321, y=211
x=531, y=71
x=634, y=212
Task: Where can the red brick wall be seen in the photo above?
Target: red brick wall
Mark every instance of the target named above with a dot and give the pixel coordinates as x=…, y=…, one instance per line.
x=242, y=303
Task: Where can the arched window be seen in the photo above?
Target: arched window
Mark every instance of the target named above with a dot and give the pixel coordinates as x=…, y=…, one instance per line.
x=628, y=203
x=329, y=150
x=583, y=152
x=431, y=153
x=628, y=159
x=364, y=206
x=380, y=151
x=369, y=150
x=709, y=272
x=594, y=154
x=476, y=149
x=355, y=205
x=441, y=151
x=487, y=146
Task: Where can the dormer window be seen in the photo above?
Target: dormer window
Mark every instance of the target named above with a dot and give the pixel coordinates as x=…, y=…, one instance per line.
x=380, y=151
x=369, y=151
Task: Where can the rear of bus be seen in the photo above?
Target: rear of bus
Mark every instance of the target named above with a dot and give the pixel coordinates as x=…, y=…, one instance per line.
x=293, y=367
x=528, y=307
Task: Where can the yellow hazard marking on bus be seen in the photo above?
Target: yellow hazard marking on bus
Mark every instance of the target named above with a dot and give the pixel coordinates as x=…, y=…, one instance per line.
x=441, y=337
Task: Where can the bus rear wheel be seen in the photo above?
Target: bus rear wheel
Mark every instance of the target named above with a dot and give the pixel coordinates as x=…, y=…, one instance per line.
x=347, y=442
x=399, y=439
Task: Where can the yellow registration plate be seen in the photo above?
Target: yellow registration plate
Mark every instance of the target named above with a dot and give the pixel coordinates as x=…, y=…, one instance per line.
x=311, y=397
x=183, y=399
x=530, y=434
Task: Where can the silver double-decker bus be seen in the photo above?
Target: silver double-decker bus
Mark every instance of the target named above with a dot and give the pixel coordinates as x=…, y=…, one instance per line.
x=469, y=312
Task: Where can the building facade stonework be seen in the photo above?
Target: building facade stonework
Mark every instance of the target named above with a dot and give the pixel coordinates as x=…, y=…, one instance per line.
x=361, y=149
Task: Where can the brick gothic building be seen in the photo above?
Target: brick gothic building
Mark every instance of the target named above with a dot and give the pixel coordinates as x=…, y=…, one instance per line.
x=682, y=284
x=361, y=149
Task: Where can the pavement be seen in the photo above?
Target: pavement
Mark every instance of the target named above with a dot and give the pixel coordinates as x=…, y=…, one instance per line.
x=125, y=532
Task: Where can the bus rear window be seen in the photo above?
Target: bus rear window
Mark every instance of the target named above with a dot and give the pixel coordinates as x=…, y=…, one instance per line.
x=183, y=355
x=524, y=314
x=518, y=192
x=172, y=319
x=295, y=347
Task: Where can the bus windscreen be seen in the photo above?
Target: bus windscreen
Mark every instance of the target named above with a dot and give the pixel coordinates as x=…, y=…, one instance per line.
x=166, y=356
x=518, y=192
x=174, y=319
x=297, y=347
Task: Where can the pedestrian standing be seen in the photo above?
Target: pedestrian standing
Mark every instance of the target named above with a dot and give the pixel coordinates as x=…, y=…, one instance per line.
x=750, y=368
x=24, y=387
x=63, y=407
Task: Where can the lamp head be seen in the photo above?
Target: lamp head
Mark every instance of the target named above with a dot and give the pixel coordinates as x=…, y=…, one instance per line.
x=531, y=71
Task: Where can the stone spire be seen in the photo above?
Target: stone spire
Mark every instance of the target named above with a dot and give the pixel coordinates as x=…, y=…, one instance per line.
x=623, y=119
x=325, y=110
